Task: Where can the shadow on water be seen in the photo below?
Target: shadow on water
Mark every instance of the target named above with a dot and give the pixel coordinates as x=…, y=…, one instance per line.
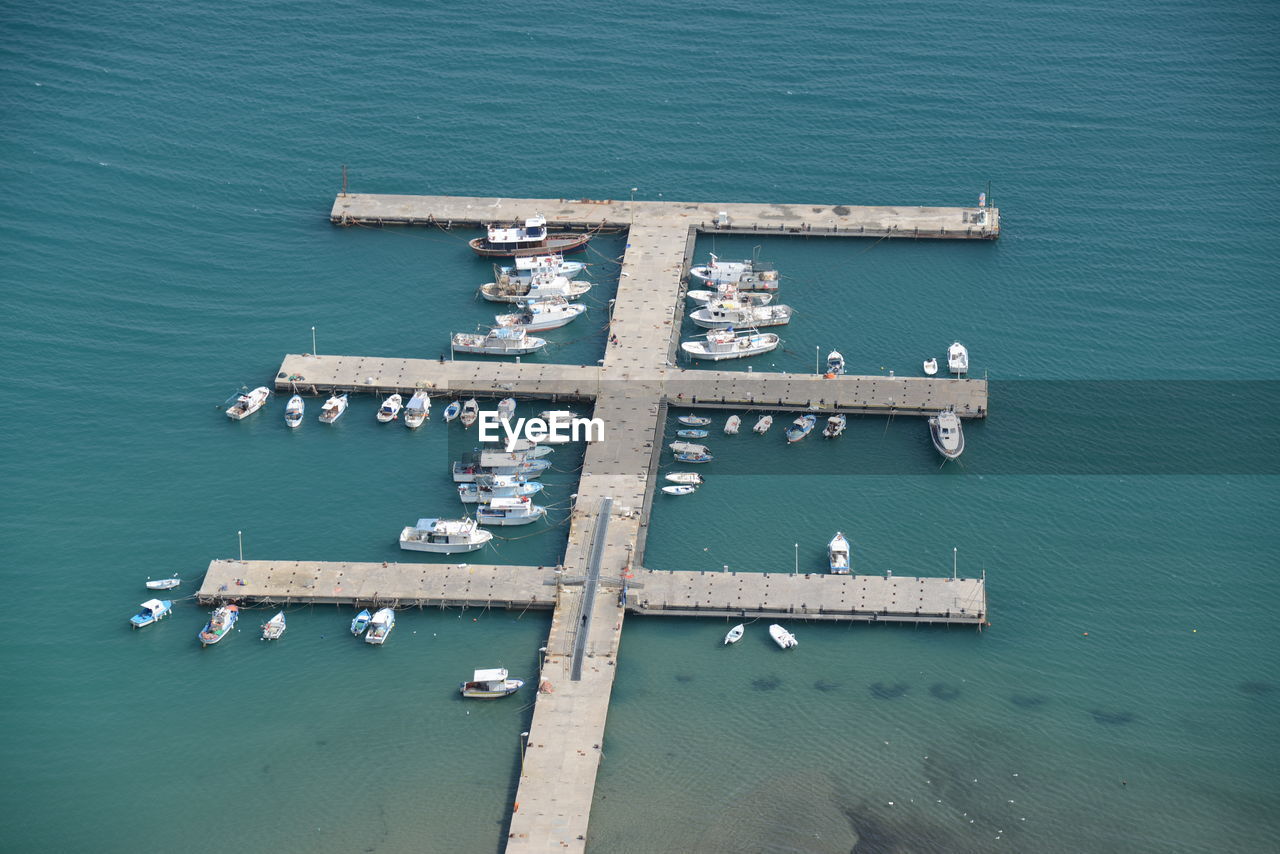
x=1112, y=718
x=943, y=691
x=824, y=685
x=1027, y=701
x=1256, y=689
x=883, y=691
x=766, y=683
x=684, y=677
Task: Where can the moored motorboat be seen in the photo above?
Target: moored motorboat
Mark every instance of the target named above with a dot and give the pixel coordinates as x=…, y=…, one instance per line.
x=469, y=471
x=721, y=314
x=361, y=622
x=333, y=408
x=686, y=477
x=694, y=420
x=565, y=415
x=801, y=427
x=682, y=489
x=528, y=266
x=510, y=511
x=543, y=314
x=947, y=434
x=732, y=425
x=531, y=238
x=451, y=411
x=294, y=410
x=692, y=434
x=163, y=583
x=930, y=367
x=219, y=625
x=506, y=408
x=688, y=452
x=153, y=611
x=470, y=412
x=735, y=634
x=490, y=684
x=417, y=410
x=444, y=536
x=835, y=363
x=958, y=358
x=384, y=620
x=838, y=554
x=501, y=341
x=782, y=637
x=720, y=344
x=835, y=425
x=496, y=486
x=390, y=408
x=749, y=275
x=272, y=629
x=248, y=403
x=763, y=425
x=704, y=297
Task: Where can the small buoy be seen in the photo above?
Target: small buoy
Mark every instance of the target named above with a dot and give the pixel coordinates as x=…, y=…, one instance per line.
x=1193, y=631
x=1086, y=634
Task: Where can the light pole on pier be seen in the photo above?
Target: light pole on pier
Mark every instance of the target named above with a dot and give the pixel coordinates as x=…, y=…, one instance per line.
x=313, y=340
x=631, y=208
x=240, y=540
x=816, y=350
x=797, y=569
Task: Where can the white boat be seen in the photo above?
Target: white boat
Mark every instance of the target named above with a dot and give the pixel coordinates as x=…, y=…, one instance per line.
x=947, y=434
x=470, y=412
x=497, y=486
x=682, y=489
x=835, y=363
x=835, y=425
x=746, y=275
x=689, y=452
x=838, y=554
x=694, y=420
x=958, y=359
x=549, y=415
x=444, y=536
x=721, y=314
x=502, y=341
x=153, y=611
x=417, y=410
x=272, y=629
x=506, y=408
x=729, y=292
x=294, y=410
x=526, y=267
x=451, y=411
x=735, y=634
x=732, y=425
x=505, y=459
x=390, y=408
x=532, y=238
x=540, y=315
x=248, y=403
x=692, y=434
x=163, y=583
x=467, y=472
x=801, y=427
x=510, y=511
x=361, y=622
x=384, y=620
x=219, y=625
x=539, y=288
x=763, y=425
x=490, y=684
x=782, y=637
x=685, y=477
x=721, y=344
x=333, y=408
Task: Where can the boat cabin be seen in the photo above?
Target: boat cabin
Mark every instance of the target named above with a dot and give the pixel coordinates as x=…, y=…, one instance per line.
x=533, y=231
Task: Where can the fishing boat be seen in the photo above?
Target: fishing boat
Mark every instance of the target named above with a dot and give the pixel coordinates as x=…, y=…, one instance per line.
x=248, y=403
x=694, y=420
x=490, y=684
x=688, y=452
x=746, y=275
x=390, y=408
x=537, y=289
x=417, y=410
x=540, y=315
x=468, y=471
x=720, y=314
x=506, y=408
x=503, y=459
x=502, y=341
x=782, y=637
x=720, y=344
x=294, y=410
x=835, y=425
x=219, y=625
x=451, y=411
x=497, y=486
x=153, y=611
x=801, y=427
x=835, y=363
x=444, y=536
x=272, y=629
x=528, y=266
x=384, y=620
x=732, y=425
x=838, y=554
x=333, y=408
x=361, y=622
x=947, y=434
x=163, y=583
x=685, y=477
x=531, y=238
x=692, y=434
x=470, y=412
x=681, y=489
x=763, y=425
x=735, y=634
x=510, y=511
x=729, y=292
x=957, y=359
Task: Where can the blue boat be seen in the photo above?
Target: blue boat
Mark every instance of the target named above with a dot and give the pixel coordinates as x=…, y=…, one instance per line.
x=361, y=622
x=692, y=434
x=689, y=452
x=153, y=610
x=801, y=427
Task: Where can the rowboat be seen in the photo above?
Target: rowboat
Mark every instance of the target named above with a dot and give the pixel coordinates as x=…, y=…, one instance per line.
x=735, y=634
x=272, y=629
x=685, y=477
x=682, y=489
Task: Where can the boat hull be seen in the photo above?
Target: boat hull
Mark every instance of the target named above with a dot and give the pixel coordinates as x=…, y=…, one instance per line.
x=554, y=242
x=470, y=690
x=698, y=350
x=504, y=519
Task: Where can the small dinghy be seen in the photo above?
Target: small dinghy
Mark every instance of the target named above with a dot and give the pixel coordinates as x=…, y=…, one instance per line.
x=694, y=420
x=835, y=363
x=930, y=367
x=692, y=434
x=506, y=408
x=294, y=410
x=958, y=359
x=763, y=425
x=272, y=629
x=682, y=489
x=490, y=684
x=835, y=425
x=838, y=554
x=380, y=626
x=470, y=412
x=153, y=611
x=248, y=403
x=417, y=410
x=361, y=622
x=732, y=425
x=947, y=434
x=333, y=408
x=801, y=427
x=686, y=477
x=451, y=411
x=163, y=583
x=390, y=408
x=782, y=637
x=735, y=634
x=219, y=625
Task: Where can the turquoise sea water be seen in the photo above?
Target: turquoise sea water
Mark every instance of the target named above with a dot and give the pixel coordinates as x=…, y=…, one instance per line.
x=170, y=169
